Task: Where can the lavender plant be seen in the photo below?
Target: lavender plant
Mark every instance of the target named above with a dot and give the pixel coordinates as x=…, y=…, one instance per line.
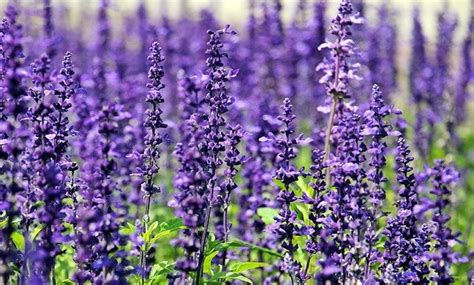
x=338, y=70
x=151, y=154
x=96, y=186
x=218, y=101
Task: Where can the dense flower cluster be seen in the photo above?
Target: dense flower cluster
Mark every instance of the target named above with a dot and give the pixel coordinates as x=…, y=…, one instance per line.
x=406, y=243
x=108, y=177
x=286, y=227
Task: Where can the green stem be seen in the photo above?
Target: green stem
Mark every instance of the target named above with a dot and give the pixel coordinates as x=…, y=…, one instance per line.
x=226, y=235
x=146, y=219
x=203, y=243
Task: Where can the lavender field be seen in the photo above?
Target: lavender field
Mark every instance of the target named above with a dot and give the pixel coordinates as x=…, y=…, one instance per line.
x=332, y=144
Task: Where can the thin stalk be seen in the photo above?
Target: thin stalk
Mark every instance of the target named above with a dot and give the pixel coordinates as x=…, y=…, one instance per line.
x=341, y=235
x=146, y=219
x=26, y=265
x=335, y=101
x=308, y=262
x=226, y=235
x=53, y=275
x=206, y=222
x=327, y=139
x=262, y=273
x=203, y=240
x=471, y=217
x=367, y=263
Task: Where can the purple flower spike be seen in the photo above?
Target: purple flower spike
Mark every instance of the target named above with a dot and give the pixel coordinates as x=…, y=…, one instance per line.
x=406, y=245
x=286, y=227
x=338, y=69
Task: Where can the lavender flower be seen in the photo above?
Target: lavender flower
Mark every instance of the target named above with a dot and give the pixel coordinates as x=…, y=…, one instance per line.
x=153, y=138
x=190, y=201
x=318, y=208
x=15, y=136
x=419, y=75
x=46, y=178
x=60, y=121
x=14, y=71
x=316, y=36
x=257, y=173
x=464, y=77
x=218, y=101
x=443, y=256
x=48, y=28
x=382, y=53
x=103, y=258
x=100, y=62
x=349, y=213
x=49, y=164
x=143, y=30
x=190, y=179
x=258, y=178
x=286, y=227
x=80, y=147
x=233, y=159
x=338, y=69
x=447, y=24
x=378, y=129
x=404, y=258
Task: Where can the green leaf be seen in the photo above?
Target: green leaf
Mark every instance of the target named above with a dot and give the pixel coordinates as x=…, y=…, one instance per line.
x=38, y=204
x=216, y=278
x=18, y=240
x=3, y=223
x=173, y=224
x=268, y=215
x=303, y=185
x=279, y=183
x=161, y=235
x=68, y=201
x=240, y=243
x=162, y=268
x=239, y=267
x=234, y=276
x=302, y=210
x=128, y=229
x=152, y=227
x=149, y=232
x=36, y=232
x=67, y=282
x=213, y=245
x=208, y=261
x=167, y=229
x=157, y=231
x=65, y=265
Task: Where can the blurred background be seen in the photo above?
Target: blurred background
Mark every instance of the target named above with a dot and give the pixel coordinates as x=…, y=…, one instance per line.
x=236, y=11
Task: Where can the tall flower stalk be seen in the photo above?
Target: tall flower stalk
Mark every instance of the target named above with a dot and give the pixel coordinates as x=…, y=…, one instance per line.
x=338, y=71
x=233, y=159
x=286, y=226
x=337, y=68
x=377, y=129
x=153, y=139
x=218, y=101
x=14, y=134
x=406, y=242
x=419, y=70
x=190, y=179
